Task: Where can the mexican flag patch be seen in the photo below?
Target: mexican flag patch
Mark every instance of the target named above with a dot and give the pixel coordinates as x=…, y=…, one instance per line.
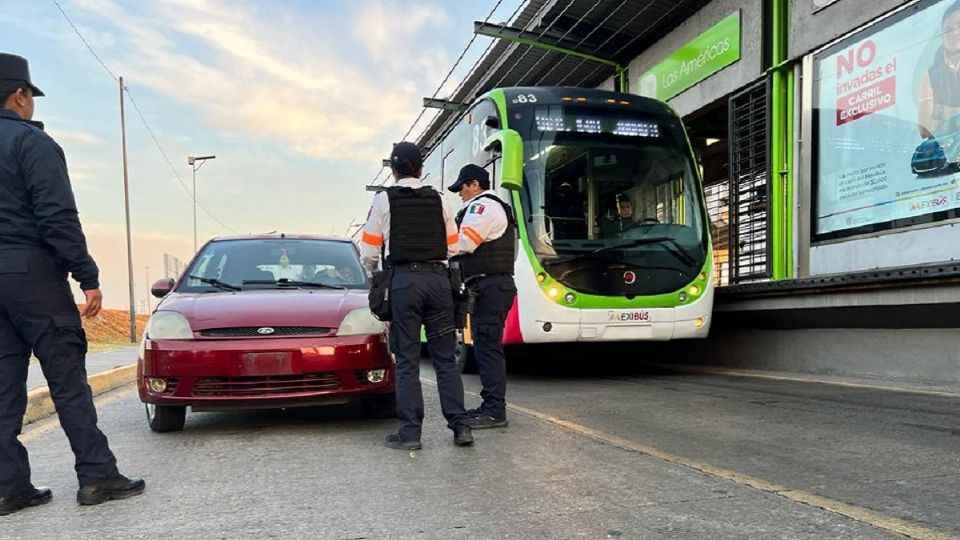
x=477, y=209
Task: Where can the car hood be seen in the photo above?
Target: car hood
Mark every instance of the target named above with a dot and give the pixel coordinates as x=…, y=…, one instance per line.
x=298, y=307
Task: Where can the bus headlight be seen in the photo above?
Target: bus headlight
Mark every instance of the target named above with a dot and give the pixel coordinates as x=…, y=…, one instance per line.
x=570, y=298
x=169, y=325
x=541, y=277
x=682, y=296
x=360, y=321
x=553, y=292
x=694, y=290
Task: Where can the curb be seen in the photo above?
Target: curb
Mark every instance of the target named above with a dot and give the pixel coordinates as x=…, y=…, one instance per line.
x=40, y=405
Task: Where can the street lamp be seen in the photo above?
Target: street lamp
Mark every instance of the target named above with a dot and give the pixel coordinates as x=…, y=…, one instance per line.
x=196, y=162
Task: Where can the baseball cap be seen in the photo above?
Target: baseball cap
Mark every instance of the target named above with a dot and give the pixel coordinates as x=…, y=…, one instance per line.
x=406, y=157
x=471, y=172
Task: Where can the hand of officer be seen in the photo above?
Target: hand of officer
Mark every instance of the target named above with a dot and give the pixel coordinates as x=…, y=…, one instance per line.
x=94, y=300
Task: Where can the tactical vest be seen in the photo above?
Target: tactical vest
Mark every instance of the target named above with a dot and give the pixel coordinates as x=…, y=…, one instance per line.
x=494, y=257
x=417, y=230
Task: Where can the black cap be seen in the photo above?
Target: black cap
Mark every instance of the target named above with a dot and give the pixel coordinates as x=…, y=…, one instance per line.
x=15, y=68
x=471, y=172
x=406, y=158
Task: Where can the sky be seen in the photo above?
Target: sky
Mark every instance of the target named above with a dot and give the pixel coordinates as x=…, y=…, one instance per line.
x=299, y=100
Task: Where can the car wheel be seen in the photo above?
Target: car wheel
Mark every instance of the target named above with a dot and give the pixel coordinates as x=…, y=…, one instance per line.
x=380, y=406
x=164, y=418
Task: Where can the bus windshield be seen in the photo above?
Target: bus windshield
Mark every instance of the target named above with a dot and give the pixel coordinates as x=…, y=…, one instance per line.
x=611, y=188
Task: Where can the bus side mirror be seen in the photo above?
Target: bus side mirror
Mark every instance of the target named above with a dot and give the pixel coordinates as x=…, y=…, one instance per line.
x=510, y=144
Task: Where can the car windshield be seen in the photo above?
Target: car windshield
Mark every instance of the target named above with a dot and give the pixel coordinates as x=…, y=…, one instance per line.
x=274, y=263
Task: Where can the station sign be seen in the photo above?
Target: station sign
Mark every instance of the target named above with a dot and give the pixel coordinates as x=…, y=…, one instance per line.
x=703, y=56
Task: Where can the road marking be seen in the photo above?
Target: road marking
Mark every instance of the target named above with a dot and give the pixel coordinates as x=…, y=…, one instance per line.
x=42, y=427
x=734, y=372
x=856, y=513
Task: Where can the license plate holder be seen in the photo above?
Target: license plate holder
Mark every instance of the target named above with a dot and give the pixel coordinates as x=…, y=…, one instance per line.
x=266, y=363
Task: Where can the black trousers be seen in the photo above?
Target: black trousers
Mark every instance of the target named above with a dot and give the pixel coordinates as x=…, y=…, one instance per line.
x=38, y=315
x=494, y=298
x=422, y=296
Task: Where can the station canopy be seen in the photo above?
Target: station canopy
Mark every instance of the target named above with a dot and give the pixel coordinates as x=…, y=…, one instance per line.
x=611, y=32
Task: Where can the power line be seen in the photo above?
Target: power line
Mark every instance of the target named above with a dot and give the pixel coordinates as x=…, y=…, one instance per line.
x=423, y=110
x=141, y=116
x=584, y=40
x=621, y=49
x=84, y=40
x=170, y=164
x=450, y=122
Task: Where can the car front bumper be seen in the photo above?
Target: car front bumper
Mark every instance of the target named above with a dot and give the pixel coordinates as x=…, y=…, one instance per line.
x=265, y=372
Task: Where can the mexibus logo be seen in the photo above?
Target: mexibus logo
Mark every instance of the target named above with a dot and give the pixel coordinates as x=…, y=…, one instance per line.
x=628, y=316
x=930, y=203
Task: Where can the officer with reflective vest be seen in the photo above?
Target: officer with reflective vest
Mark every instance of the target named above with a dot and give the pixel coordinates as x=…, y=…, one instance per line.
x=488, y=249
x=41, y=242
x=417, y=235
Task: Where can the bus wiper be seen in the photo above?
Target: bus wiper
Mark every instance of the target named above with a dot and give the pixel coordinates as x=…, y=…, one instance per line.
x=284, y=282
x=216, y=283
x=672, y=246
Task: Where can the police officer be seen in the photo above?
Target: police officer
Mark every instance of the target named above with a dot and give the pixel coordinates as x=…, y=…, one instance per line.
x=488, y=242
x=40, y=243
x=416, y=232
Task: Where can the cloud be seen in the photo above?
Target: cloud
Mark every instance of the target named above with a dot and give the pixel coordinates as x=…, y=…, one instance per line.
x=301, y=88
x=383, y=26
x=75, y=137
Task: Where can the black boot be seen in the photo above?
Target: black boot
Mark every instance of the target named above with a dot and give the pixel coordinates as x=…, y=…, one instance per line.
x=29, y=497
x=118, y=487
x=394, y=441
x=463, y=435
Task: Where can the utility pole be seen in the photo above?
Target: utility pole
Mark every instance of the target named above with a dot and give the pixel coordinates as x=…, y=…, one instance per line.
x=126, y=208
x=192, y=161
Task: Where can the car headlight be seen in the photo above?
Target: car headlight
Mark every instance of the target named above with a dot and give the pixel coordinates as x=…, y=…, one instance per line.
x=360, y=321
x=169, y=325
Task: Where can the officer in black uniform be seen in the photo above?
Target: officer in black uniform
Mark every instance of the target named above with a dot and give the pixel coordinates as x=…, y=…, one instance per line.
x=40, y=243
x=488, y=250
x=417, y=234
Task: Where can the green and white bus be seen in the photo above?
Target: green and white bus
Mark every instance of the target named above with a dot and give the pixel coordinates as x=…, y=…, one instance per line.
x=614, y=238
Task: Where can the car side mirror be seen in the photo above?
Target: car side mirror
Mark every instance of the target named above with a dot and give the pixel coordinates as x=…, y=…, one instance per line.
x=510, y=144
x=162, y=287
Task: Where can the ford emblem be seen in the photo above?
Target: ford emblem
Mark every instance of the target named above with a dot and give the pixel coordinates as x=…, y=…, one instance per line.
x=265, y=331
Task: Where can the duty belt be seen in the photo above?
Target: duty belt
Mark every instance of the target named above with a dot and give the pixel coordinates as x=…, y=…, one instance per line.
x=476, y=277
x=430, y=266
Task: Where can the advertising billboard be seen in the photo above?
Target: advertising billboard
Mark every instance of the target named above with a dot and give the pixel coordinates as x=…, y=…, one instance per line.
x=887, y=124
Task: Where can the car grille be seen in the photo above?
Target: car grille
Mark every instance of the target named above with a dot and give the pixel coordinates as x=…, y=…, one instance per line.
x=254, y=331
x=276, y=385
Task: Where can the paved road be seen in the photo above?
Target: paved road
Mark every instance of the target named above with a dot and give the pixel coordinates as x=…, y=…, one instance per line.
x=743, y=452
x=96, y=362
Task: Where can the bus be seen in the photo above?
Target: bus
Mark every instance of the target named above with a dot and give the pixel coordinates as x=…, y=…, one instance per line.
x=614, y=236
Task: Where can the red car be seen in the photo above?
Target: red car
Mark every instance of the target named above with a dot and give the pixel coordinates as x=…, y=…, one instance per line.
x=264, y=322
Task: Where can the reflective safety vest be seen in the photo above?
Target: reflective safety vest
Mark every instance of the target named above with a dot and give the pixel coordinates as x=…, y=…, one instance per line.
x=417, y=230
x=493, y=257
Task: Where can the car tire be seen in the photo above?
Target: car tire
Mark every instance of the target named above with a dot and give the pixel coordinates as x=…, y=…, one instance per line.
x=384, y=406
x=164, y=418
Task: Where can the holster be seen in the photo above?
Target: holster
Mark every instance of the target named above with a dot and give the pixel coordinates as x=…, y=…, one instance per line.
x=379, y=296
